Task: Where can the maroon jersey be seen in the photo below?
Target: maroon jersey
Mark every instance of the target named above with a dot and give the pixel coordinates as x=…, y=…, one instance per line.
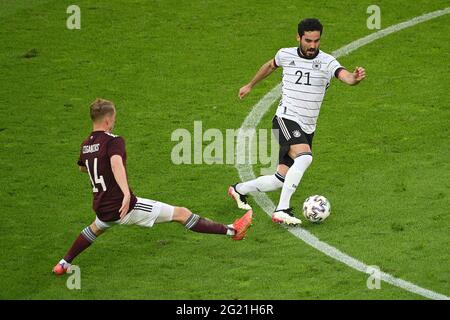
x=95, y=154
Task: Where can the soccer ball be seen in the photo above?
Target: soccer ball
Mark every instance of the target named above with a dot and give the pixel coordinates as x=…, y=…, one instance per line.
x=316, y=208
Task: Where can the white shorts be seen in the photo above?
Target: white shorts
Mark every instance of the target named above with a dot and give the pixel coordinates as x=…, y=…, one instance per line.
x=145, y=213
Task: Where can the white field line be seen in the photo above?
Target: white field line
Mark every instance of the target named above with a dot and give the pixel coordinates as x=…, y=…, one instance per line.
x=246, y=171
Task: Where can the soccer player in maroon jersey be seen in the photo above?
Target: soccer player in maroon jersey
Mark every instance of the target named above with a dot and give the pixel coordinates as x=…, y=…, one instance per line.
x=103, y=157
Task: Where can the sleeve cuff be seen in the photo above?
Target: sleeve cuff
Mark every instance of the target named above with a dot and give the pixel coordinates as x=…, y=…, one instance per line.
x=338, y=70
x=275, y=63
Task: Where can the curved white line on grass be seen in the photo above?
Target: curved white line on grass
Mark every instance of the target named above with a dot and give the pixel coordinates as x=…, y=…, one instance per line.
x=246, y=171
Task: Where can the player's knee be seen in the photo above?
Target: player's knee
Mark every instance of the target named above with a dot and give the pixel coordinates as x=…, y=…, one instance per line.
x=95, y=229
x=282, y=169
x=181, y=214
x=307, y=156
x=298, y=149
x=303, y=161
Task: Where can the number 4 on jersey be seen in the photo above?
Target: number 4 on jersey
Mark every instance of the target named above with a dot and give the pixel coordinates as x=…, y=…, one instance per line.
x=97, y=179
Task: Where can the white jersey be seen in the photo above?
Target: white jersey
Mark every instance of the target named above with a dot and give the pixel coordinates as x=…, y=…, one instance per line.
x=304, y=84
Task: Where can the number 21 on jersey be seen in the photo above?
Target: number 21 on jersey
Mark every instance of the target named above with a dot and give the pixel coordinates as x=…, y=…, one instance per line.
x=95, y=180
x=300, y=74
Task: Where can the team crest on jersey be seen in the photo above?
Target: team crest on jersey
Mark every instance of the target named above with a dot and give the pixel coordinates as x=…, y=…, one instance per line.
x=296, y=133
x=316, y=64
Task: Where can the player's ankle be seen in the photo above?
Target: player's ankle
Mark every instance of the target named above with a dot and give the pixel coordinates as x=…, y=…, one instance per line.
x=230, y=230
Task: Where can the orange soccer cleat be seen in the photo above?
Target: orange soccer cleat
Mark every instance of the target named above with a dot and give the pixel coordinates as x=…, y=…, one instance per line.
x=242, y=224
x=61, y=268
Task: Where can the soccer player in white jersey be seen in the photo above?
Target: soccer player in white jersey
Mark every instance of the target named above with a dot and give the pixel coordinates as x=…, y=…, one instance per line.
x=307, y=74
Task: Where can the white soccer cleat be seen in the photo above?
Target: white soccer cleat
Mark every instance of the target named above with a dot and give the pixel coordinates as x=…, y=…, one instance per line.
x=241, y=200
x=285, y=217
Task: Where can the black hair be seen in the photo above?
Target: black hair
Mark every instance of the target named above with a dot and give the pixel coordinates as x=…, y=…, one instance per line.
x=309, y=24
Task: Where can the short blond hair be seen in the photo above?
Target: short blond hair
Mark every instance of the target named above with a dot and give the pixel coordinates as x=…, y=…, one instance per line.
x=100, y=108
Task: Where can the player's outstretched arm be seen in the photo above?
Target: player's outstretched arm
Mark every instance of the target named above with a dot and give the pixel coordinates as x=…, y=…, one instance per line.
x=266, y=69
x=83, y=169
x=120, y=175
x=352, y=78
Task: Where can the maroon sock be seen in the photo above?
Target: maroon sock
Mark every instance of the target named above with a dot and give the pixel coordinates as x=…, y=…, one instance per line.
x=203, y=225
x=80, y=244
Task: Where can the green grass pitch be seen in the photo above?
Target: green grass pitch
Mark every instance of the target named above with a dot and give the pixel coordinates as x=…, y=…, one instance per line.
x=381, y=149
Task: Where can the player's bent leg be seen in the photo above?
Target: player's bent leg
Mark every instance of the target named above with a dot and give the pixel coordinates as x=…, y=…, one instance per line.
x=282, y=170
x=301, y=153
x=238, y=192
x=297, y=149
x=81, y=243
x=261, y=184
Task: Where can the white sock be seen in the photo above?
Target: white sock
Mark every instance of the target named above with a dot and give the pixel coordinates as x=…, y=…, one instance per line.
x=230, y=231
x=64, y=262
x=261, y=184
x=293, y=177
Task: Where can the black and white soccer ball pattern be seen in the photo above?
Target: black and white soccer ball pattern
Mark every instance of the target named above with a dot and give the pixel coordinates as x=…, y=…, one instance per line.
x=316, y=208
